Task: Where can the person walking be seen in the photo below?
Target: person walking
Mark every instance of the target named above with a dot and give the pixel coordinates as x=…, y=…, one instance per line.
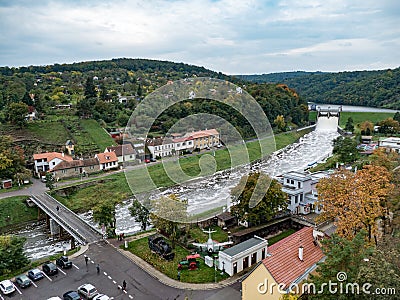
x=58, y=209
x=86, y=260
x=179, y=275
x=124, y=285
x=98, y=268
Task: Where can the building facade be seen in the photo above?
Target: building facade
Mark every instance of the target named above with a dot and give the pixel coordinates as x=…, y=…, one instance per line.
x=76, y=168
x=48, y=161
x=241, y=256
x=107, y=160
x=392, y=143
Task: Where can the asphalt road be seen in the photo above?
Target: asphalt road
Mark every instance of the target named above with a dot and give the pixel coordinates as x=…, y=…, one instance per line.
x=114, y=269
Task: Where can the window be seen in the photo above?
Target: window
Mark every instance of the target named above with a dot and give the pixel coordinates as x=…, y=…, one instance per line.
x=299, y=184
x=263, y=253
x=91, y=167
x=291, y=181
x=54, y=163
x=63, y=171
x=287, y=180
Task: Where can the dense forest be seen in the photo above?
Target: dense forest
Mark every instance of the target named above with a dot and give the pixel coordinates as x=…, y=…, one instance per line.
x=108, y=91
x=366, y=88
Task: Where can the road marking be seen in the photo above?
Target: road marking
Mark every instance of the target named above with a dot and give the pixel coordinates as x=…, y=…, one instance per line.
x=125, y=291
x=130, y=297
x=114, y=282
x=75, y=266
x=105, y=273
x=1, y=297
x=17, y=289
x=47, y=276
x=91, y=261
x=119, y=287
x=62, y=271
x=34, y=284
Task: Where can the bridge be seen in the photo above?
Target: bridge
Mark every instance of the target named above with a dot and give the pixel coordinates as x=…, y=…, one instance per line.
x=66, y=219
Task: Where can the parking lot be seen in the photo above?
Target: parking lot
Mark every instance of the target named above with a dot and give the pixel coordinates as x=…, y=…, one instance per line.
x=70, y=279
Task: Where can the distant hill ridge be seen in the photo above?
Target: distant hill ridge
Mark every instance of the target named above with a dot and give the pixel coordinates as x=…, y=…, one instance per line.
x=379, y=88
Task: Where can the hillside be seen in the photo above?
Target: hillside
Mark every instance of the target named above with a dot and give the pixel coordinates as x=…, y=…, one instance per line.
x=108, y=91
x=366, y=88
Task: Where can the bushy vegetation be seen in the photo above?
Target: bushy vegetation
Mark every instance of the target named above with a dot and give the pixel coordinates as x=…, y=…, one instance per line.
x=367, y=88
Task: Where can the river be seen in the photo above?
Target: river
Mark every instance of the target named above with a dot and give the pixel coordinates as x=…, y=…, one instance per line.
x=214, y=191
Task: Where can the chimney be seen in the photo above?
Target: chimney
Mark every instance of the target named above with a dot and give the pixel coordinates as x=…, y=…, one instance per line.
x=301, y=253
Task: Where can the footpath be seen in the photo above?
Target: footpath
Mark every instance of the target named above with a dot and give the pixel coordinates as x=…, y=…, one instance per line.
x=164, y=279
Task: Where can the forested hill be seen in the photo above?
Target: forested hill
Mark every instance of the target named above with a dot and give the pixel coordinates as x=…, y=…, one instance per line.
x=108, y=91
x=368, y=88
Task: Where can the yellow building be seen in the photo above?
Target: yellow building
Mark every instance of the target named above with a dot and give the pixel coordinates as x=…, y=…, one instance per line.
x=205, y=138
x=287, y=264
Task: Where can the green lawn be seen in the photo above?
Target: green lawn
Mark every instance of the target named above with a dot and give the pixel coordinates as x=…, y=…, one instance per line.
x=13, y=210
x=202, y=275
x=49, y=131
x=97, y=134
x=359, y=117
x=197, y=234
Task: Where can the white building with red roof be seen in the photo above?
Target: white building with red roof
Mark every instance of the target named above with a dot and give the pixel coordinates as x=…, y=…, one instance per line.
x=107, y=160
x=287, y=263
x=47, y=161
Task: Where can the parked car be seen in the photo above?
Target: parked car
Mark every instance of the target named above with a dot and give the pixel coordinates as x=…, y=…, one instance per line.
x=153, y=159
x=7, y=287
x=35, y=274
x=55, y=298
x=101, y=297
x=71, y=295
x=87, y=290
x=23, y=281
x=49, y=268
x=63, y=262
x=147, y=160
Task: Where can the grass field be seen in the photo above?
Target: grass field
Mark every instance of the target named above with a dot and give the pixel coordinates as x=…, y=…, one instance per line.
x=13, y=210
x=202, y=275
x=97, y=133
x=280, y=236
x=359, y=117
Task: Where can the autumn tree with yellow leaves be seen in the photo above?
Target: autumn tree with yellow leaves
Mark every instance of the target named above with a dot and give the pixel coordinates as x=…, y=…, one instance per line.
x=355, y=201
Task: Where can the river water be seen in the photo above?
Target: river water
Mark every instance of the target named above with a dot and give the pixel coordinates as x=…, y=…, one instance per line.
x=214, y=191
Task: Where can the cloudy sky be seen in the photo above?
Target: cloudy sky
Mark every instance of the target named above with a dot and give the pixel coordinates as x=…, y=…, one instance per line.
x=231, y=36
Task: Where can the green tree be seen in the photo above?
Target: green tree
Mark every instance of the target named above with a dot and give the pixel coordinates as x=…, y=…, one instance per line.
x=90, y=89
x=12, y=160
x=50, y=180
x=140, y=213
x=279, y=122
x=12, y=255
x=167, y=213
x=396, y=117
x=349, y=125
x=273, y=200
x=104, y=214
x=342, y=255
x=346, y=149
x=16, y=113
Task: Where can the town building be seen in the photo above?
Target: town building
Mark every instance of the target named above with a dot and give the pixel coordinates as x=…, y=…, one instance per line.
x=241, y=256
x=204, y=139
x=125, y=153
x=47, y=161
x=160, y=147
x=392, y=143
x=75, y=168
x=301, y=190
x=70, y=147
x=108, y=160
x=183, y=144
x=287, y=264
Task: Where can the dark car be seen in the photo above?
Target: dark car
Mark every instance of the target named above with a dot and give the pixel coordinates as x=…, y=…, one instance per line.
x=49, y=268
x=23, y=281
x=71, y=295
x=63, y=262
x=35, y=274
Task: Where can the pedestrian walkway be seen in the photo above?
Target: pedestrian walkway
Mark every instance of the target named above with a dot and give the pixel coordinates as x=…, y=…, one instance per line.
x=164, y=279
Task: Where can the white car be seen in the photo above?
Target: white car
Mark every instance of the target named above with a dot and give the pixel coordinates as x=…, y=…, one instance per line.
x=87, y=290
x=7, y=287
x=101, y=297
x=54, y=298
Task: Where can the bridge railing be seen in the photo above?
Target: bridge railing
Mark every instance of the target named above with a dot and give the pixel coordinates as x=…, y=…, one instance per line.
x=94, y=229
x=72, y=231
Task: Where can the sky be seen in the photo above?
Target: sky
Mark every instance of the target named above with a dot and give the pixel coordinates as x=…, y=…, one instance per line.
x=228, y=36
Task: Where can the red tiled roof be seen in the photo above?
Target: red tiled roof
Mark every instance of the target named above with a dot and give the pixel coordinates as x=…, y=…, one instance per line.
x=182, y=139
x=202, y=133
x=106, y=157
x=125, y=149
x=51, y=155
x=284, y=263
